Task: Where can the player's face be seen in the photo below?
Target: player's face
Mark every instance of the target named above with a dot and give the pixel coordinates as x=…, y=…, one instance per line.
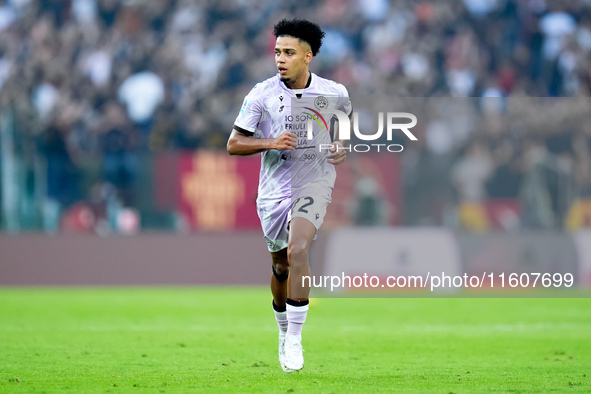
x=292, y=57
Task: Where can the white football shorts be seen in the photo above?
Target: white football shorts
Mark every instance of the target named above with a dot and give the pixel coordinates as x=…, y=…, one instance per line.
x=275, y=215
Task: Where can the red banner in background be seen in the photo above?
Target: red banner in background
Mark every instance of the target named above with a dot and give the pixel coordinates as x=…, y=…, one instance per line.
x=212, y=190
x=215, y=191
x=218, y=192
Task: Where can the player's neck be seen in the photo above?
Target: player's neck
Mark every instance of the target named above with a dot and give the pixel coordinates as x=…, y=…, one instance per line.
x=301, y=83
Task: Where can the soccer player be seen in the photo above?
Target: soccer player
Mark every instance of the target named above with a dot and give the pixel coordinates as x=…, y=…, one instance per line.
x=296, y=177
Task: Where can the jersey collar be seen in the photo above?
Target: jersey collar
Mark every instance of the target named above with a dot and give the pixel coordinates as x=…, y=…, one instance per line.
x=296, y=91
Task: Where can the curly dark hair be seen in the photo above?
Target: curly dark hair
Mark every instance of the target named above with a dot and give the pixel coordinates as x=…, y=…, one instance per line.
x=301, y=29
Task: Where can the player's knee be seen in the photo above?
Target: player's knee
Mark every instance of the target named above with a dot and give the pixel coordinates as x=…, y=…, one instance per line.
x=280, y=270
x=297, y=253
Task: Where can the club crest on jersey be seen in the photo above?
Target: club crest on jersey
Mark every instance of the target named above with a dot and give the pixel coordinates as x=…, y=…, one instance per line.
x=321, y=102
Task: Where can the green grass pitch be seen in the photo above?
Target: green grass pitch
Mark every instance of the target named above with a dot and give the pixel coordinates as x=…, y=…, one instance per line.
x=159, y=339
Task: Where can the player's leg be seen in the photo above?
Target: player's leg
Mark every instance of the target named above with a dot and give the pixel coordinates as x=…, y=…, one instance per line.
x=274, y=218
x=279, y=277
x=301, y=234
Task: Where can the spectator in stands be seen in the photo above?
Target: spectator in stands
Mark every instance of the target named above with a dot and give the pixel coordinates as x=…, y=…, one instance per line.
x=469, y=176
x=142, y=92
x=506, y=178
x=120, y=142
x=546, y=190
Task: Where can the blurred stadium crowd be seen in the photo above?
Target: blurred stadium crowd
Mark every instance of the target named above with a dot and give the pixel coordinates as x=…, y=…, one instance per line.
x=93, y=86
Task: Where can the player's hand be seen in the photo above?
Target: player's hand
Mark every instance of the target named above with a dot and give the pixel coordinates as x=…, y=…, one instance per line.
x=338, y=153
x=286, y=141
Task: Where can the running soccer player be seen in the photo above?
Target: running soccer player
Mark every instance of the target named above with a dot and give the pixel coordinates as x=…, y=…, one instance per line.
x=296, y=177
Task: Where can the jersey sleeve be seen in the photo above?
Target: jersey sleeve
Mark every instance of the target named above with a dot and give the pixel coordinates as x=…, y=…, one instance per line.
x=345, y=102
x=250, y=113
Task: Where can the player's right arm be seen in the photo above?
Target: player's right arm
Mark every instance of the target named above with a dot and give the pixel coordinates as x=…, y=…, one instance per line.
x=243, y=145
x=242, y=141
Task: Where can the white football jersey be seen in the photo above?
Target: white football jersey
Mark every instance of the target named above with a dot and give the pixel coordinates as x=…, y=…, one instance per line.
x=268, y=111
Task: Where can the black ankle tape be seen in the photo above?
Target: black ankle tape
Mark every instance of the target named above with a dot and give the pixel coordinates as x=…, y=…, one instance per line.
x=277, y=308
x=281, y=278
x=291, y=302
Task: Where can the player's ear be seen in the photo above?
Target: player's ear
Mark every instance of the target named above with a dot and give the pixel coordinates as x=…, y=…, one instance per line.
x=309, y=57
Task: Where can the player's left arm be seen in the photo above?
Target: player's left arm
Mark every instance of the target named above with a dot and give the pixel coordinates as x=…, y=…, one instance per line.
x=339, y=154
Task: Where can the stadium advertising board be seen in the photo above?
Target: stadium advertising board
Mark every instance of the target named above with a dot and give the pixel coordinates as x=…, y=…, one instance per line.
x=388, y=259
x=527, y=258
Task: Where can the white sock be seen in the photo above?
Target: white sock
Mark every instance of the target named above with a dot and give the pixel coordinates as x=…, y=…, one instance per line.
x=281, y=318
x=296, y=316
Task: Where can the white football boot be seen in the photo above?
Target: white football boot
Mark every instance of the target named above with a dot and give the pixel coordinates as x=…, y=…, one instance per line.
x=282, y=352
x=294, y=353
